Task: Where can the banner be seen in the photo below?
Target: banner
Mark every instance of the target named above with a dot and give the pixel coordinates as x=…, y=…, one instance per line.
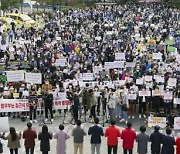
x=130, y=64
x=109, y=65
x=118, y=64
x=120, y=56
x=160, y=121
x=4, y=124
x=177, y=123
x=176, y=100
x=21, y=105
x=144, y=93
x=61, y=62
x=88, y=77
x=34, y=78
x=15, y=76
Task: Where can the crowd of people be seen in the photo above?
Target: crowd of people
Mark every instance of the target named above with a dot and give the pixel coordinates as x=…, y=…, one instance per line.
x=112, y=61
x=112, y=133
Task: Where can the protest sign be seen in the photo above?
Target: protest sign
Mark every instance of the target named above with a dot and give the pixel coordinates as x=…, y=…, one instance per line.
x=171, y=49
x=159, y=78
x=61, y=62
x=88, y=77
x=120, y=56
x=4, y=124
x=172, y=82
x=176, y=100
x=122, y=82
x=168, y=96
x=109, y=65
x=157, y=56
x=15, y=76
x=97, y=69
x=34, y=78
x=144, y=93
x=130, y=64
x=139, y=81
x=160, y=121
x=169, y=42
x=118, y=64
x=157, y=93
x=132, y=96
x=177, y=123
x=148, y=78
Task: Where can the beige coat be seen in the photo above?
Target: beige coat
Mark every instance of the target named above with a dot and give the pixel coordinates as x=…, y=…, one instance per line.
x=13, y=144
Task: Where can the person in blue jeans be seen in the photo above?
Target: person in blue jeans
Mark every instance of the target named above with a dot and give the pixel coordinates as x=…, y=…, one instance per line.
x=96, y=132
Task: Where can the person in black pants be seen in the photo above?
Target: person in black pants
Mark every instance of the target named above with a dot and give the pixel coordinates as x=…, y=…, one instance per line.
x=48, y=103
x=33, y=99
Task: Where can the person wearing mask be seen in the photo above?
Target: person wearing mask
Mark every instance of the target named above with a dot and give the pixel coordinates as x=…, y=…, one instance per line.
x=168, y=142
x=128, y=136
x=178, y=145
x=45, y=138
x=111, y=105
x=112, y=133
x=13, y=140
x=78, y=133
x=33, y=100
x=48, y=103
x=61, y=136
x=29, y=136
x=142, y=140
x=155, y=139
x=96, y=132
x=76, y=105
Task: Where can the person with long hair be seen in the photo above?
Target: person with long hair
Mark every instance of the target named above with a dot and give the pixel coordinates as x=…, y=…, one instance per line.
x=45, y=136
x=13, y=140
x=61, y=137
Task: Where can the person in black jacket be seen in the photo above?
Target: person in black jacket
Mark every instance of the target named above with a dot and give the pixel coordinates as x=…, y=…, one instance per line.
x=75, y=106
x=168, y=142
x=33, y=100
x=44, y=137
x=156, y=138
x=48, y=103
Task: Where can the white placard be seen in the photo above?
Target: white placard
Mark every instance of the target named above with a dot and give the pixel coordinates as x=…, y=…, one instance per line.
x=160, y=121
x=177, y=123
x=109, y=65
x=15, y=76
x=172, y=82
x=132, y=96
x=120, y=56
x=148, y=78
x=34, y=78
x=118, y=64
x=176, y=101
x=97, y=69
x=61, y=62
x=168, y=96
x=88, y=77
x=157, y=56
x=159, y=78
x=122, y=82
x=144, y=93
x=4, y=124
x=139, y=81
x=130, y=64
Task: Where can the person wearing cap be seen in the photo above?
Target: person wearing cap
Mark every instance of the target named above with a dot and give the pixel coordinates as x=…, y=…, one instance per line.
x=155, y=139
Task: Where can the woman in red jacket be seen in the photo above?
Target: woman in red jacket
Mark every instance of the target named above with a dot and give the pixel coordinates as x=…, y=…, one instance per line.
x=178, y=145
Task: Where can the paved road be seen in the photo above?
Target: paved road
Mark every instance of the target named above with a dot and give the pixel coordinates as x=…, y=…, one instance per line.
x=20, y=126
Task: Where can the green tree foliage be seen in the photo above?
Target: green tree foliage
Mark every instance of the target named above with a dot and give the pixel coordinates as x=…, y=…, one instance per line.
x=9, y=4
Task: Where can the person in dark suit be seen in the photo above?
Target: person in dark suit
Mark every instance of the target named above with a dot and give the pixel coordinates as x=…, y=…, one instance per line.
x=156, y=138
x=44, y=137
x=168, y=143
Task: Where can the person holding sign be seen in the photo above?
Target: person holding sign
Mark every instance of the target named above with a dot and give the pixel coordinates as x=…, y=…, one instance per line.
x=167, y=101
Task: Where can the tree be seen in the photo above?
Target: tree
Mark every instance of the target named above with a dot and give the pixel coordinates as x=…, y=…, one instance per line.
x=8, y=4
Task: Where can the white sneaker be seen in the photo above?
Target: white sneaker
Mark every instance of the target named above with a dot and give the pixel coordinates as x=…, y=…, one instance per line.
x=122, y=120
x=35, y=121
x=129, y=117
x=144, y=116
x=126, y=122
x=52, y=120
x=132, y=117
x=140, y=116
x=31, y=121
x=46, y=120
